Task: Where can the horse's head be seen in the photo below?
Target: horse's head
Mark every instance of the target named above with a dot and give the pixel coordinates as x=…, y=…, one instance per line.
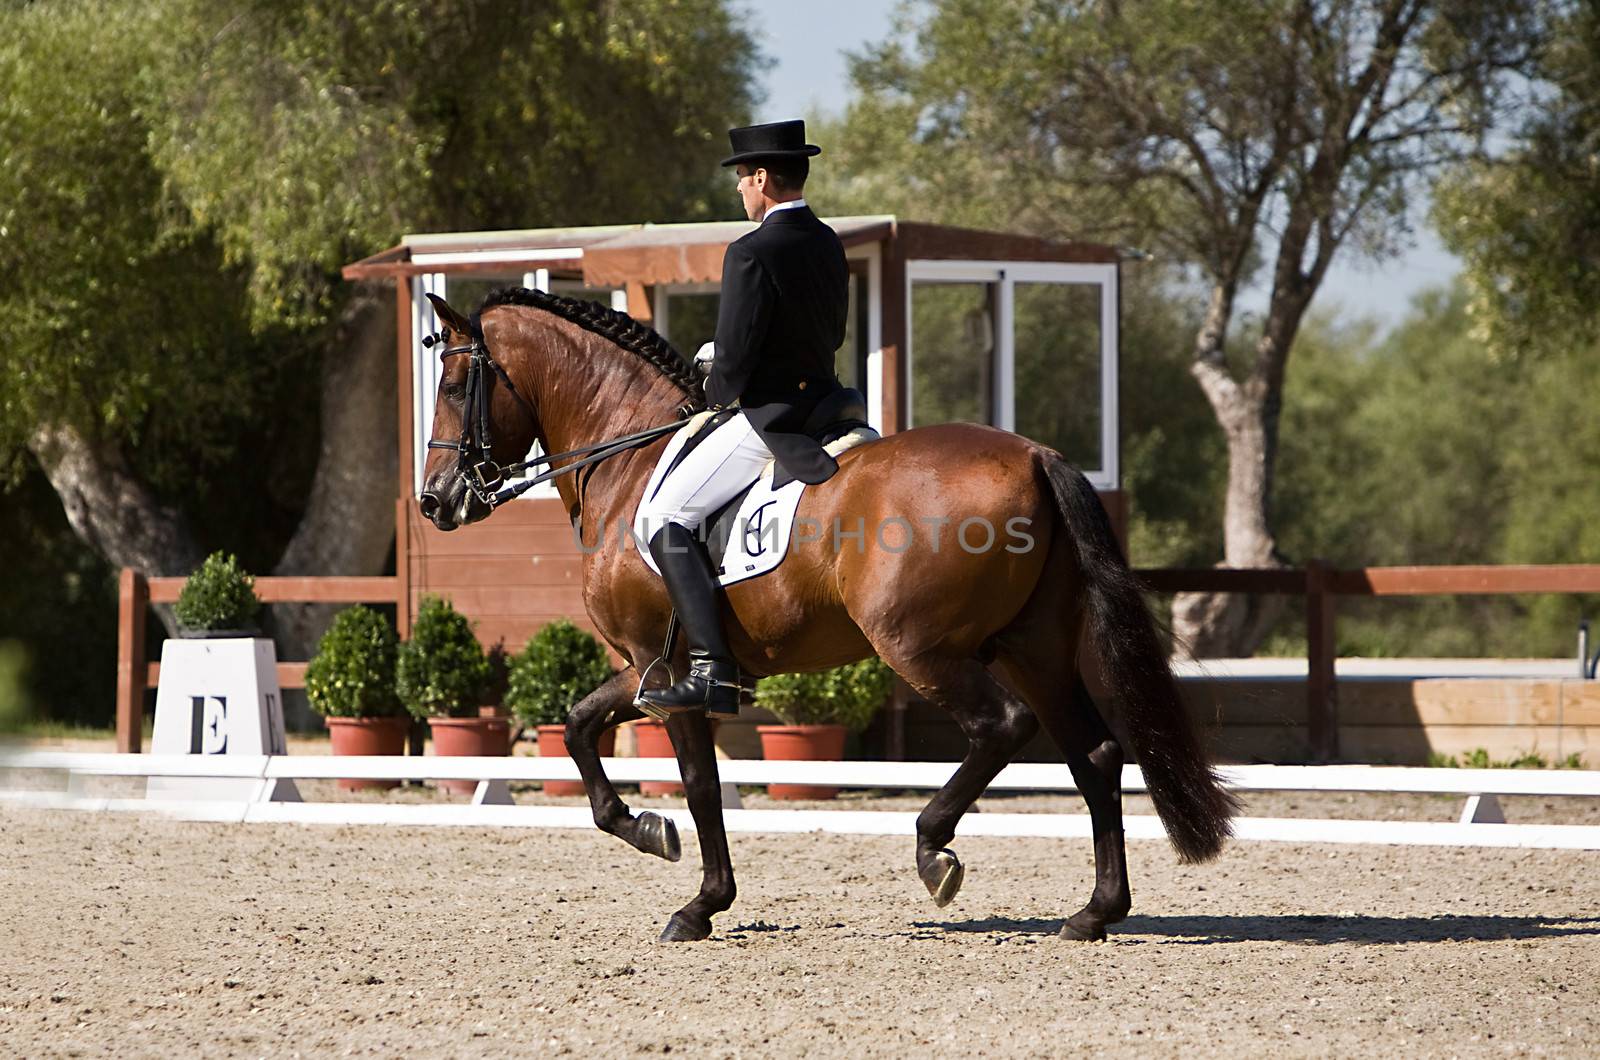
x=480, y=423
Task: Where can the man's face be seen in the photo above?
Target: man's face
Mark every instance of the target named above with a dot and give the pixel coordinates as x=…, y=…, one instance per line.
x=751, y=181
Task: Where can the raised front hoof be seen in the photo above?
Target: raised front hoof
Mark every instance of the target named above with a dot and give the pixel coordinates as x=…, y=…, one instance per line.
x=1080, y=928
x=683, y=928
x=942, y=875
x=658, y=835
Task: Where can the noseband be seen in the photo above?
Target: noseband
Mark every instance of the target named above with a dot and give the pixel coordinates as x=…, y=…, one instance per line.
x=476, y=466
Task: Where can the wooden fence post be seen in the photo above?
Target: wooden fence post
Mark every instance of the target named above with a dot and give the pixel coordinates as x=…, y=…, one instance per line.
x=402, y=566
x=1322, y=689
x=132, y=606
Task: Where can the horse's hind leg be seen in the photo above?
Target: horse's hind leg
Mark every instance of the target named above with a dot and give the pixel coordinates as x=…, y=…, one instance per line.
x=1095, y=758
x=612, y=704
x=997, y=724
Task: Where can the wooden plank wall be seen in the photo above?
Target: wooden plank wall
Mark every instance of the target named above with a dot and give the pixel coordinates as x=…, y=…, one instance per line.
x=1400, y=721
x=1395, y=721
x=511, y=574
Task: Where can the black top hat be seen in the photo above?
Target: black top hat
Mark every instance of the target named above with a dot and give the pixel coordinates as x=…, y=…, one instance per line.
x=780, y=139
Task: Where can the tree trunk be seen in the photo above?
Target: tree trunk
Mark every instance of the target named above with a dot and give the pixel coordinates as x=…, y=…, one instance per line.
x=112, y=511
x=1224, y=625
x=1231, y=625
x=348, y=525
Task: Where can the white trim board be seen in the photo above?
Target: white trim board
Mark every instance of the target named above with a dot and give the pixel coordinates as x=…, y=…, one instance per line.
x=838, y=822
x=1021, y=776
x=1478, y=825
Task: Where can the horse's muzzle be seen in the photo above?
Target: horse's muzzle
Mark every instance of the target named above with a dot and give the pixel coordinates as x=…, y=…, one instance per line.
x=436, y=511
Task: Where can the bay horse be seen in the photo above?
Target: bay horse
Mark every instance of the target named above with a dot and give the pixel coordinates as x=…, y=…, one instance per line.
x=992, y=635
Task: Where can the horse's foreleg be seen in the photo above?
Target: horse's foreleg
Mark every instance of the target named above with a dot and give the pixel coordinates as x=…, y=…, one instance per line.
x=612, y=704
x=697, y=762
x=997, y=725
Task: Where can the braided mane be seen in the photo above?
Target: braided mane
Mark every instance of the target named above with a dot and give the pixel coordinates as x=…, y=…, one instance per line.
x=620, y=328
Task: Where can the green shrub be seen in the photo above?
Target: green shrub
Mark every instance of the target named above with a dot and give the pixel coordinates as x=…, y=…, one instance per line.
x=218, y=596
x=1478, y=758
x=352, y=674
x=559, y=666
x=846, y=695
x=442, y=669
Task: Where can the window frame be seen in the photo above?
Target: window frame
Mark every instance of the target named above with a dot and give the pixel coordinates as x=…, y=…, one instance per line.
x=1007, y=274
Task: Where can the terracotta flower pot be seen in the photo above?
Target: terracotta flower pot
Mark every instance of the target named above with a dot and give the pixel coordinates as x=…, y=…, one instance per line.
x=801, y=743
x=655, y=743
x=553, y=744
x=455, y=737
x=368, y=736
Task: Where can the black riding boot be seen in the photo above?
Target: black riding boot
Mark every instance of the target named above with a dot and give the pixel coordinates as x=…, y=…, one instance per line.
x=712, y=683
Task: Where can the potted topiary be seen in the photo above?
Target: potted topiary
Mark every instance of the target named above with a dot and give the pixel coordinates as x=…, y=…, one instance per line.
x=218, y=600
x=559, y=666
x=441, y=674
x=350, y=682
x=818, y=710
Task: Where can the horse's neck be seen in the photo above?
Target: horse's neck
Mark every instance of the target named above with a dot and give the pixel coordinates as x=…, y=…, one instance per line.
x=589, y=390
x=598, y=391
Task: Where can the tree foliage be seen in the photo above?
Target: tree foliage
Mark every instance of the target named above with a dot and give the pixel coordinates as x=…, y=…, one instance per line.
x=110, y=309
x=1528, y=223
x=309, y=133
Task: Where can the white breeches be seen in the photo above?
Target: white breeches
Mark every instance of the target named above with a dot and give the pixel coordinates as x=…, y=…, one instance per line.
x=724, y=462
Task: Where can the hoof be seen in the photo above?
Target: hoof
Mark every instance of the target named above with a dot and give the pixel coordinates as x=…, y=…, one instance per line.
x=1082, y=929
x=943, y=877
x=683, y=929
x=658, y=835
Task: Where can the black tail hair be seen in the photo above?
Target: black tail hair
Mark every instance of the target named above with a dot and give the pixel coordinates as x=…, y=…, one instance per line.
x=1193, y=805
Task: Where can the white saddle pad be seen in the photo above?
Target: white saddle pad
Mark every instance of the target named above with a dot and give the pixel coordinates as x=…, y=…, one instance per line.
x=764, y=524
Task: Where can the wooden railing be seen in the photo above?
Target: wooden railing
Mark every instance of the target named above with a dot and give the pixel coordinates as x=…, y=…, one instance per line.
x=137, y=592
x=1322, y=585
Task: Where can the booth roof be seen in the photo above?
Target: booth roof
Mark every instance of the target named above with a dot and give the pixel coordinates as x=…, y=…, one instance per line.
x=616, y=255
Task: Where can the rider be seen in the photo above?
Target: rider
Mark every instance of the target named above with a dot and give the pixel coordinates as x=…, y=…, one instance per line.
x=785, y=297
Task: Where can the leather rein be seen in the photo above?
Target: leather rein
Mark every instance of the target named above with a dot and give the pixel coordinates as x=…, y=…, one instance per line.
x=477, y=468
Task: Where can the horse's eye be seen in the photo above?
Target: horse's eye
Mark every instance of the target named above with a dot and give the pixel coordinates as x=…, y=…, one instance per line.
x=454, y=391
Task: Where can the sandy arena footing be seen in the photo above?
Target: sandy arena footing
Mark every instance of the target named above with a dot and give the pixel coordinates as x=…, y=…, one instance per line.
x=135, y=936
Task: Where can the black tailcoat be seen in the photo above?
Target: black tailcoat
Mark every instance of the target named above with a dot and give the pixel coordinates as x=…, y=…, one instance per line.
x=785, y=299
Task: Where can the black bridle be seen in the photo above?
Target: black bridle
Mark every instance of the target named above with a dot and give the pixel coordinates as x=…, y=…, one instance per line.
x=475, y=464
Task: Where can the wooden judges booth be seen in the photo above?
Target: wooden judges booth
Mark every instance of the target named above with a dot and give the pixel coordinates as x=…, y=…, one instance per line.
x=945, y=324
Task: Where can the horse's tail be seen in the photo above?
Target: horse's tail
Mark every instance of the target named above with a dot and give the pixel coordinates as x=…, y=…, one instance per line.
x=1187, y=793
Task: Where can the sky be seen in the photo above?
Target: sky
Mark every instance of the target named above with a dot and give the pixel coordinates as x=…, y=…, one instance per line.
x=807, y=42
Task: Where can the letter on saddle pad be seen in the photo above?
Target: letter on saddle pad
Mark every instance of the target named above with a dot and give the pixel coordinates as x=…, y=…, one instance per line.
x=749, y=535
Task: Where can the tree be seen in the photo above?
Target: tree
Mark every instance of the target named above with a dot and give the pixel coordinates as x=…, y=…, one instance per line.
x=182, y=180
x=1527, y=225
x=1234, y=139
x=1527, y=222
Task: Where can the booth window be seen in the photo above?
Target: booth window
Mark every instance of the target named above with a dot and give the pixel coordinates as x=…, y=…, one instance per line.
x=954, y=369
x=1057, y=364
x=1026, y=346
x=687, y=315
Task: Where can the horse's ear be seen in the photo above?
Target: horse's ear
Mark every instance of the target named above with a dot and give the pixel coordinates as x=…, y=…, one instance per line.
x=449, y=317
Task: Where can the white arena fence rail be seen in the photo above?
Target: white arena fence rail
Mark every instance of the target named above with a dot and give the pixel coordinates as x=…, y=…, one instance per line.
x=274, y=797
